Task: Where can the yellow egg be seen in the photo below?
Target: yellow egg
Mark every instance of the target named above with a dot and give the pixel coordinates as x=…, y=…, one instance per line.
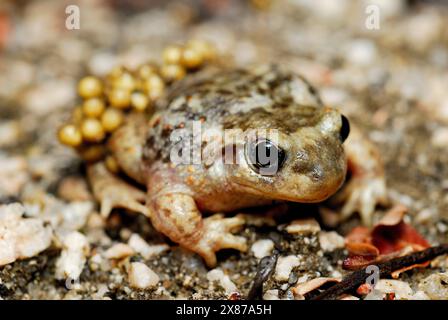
x=154, y=87
x=92, y=130
x=172, y=72
x=111, y=119
x=125, y=81
x=156, y=93
x=146, y=70
x=192, y=58
x=93, y=107
x=172, y=55
x=120, y=98
x=205, y=48
x=139, y=101
x=70, y=135
x=90, y=87
x=116, y=72
x=112, y=164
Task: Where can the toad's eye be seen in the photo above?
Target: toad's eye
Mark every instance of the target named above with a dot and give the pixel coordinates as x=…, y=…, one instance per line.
x=264, y=157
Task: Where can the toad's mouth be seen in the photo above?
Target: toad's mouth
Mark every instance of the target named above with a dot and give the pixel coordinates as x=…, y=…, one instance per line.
x=273, y=195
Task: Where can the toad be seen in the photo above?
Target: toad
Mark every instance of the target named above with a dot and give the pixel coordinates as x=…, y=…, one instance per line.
x=264, y=136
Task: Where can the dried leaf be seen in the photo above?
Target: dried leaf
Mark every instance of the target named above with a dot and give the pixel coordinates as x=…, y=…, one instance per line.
x=391, y=237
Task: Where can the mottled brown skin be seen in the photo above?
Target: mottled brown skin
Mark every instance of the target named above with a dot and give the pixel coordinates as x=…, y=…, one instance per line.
x=235, y=104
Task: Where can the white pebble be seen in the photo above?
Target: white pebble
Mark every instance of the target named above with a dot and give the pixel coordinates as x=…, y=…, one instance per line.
x=303, y=226
x=101, y=63
x=118, y=251
x=222, y=279
x=13, y=175
x=45, y=98
x=9, y=133
x=142, y=247
x=388, y=8
x=262, y=248
x=435, y=286
x=141, y=276
x=330, y=241
x=401, y=289
x=271, y=295
x=439, y=138
x=285, y=266
x=361, y=52
x=21, y=237
x=426, y=215
x=73, y=256
x=75, y=215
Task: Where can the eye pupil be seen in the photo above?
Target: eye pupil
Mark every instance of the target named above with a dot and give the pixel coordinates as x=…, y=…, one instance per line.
x=263, y=153
x=345, y=128
x=265, y=157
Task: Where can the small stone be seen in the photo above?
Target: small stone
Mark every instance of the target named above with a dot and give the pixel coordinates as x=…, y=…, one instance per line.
x=95, y=221
x=74, y=189
x=13, y=175
x=303, y=226
x=374, y=295
x=442, y=227
x=140, y=276
x=49, y=96
x=285, y=266
x=361, y=52
x=430, y=27
x=21, y=237
x=75, y=249
x=271, y=295
x=102, y=289
x=223, y=280
x=330, y=241
x=401, y=289
x=139, y=245
x=435, y=286
x=426, y=215
x=119, y=251
x=439, y=138
x=420, y=295
x=9, y=133
x=101, y=63
x=388, y=8
x=262, y=248
x=75, y=215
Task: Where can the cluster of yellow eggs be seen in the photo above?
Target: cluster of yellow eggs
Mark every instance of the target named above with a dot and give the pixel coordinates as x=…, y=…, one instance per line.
x=105, y=102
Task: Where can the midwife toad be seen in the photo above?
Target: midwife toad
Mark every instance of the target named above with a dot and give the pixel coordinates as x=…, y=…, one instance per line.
x=310, y=163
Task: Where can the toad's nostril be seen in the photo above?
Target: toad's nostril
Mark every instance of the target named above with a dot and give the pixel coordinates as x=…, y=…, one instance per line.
x=345, y=128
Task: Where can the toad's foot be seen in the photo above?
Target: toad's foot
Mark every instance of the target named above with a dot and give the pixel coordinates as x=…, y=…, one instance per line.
x=367, y=186
x=177, y=216
x=362, y=195
x=112, y=192
x=218, y=235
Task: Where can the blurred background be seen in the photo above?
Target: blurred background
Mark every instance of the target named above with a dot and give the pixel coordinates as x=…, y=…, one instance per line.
x=389, y=74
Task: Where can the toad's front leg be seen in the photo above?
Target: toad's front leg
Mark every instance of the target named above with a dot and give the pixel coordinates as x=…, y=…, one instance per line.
x=177, y=216
x=367, y=185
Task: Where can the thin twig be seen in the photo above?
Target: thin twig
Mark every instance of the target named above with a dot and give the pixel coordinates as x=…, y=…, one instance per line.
x=357, y=278
x=265, y=269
